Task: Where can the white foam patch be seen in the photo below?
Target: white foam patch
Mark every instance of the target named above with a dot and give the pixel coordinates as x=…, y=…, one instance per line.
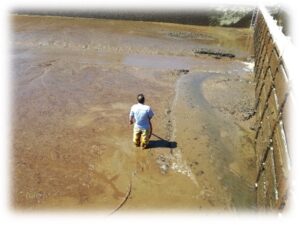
x=249, y=66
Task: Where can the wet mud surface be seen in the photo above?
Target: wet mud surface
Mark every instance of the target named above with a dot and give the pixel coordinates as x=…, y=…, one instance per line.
x=73, y=83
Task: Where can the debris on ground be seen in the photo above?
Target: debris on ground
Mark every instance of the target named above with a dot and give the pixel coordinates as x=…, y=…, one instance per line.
x=248, y=114
x=255, y=127
x=184, y=71
x=190, y=35
x=217, y=54
x=163, y=163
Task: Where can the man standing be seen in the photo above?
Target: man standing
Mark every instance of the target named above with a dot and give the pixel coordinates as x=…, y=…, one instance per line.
x=140, y=115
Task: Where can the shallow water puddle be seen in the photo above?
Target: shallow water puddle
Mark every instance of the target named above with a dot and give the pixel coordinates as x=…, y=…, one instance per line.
x=160, y=62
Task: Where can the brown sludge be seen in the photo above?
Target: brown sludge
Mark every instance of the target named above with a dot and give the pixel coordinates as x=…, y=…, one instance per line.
x=74, y=81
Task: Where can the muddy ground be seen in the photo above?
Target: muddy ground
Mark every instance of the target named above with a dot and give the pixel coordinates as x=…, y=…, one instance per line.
x=73, y=83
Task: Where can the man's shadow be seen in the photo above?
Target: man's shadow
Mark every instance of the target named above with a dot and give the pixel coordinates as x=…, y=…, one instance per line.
x=161, y=143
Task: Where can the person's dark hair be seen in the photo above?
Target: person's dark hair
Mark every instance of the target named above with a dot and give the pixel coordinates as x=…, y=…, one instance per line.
x=140, y=98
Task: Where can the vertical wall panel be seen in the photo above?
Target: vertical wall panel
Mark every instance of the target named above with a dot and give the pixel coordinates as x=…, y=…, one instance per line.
x=271, y=91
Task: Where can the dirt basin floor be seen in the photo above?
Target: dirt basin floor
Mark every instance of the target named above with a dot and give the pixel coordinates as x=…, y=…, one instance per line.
x=73, y=83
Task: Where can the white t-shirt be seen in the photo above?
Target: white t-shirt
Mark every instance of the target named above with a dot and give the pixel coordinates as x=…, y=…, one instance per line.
x=142, y=114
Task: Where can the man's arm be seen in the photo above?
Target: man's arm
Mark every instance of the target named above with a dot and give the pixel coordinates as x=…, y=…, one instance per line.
x=150, y=115
x=131, y=117
x=131, y=120
x=150, y=127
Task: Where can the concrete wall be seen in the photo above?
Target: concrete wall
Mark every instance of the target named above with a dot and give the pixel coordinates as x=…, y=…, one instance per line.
x=273, y=128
